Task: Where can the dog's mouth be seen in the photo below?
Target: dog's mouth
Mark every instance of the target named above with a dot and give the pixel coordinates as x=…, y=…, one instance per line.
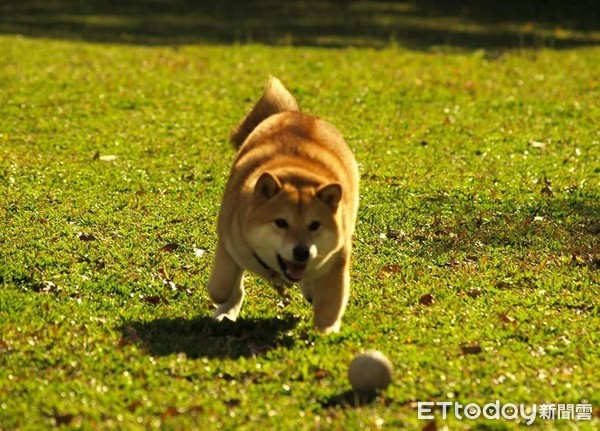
x=291, y=270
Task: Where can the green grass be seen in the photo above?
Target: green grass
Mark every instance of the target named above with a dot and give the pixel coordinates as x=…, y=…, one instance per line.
x=480, y=187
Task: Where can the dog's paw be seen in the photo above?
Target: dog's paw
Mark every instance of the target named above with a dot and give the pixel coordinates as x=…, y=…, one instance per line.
x=224, y=311
x=332, y=329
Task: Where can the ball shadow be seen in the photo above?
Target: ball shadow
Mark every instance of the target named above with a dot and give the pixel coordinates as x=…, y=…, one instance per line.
x=351, y=399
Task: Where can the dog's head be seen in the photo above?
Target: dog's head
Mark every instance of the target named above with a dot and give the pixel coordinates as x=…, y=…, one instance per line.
x=292, y=227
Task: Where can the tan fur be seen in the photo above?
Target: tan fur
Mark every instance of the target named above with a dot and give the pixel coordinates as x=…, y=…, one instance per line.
x=289, y=209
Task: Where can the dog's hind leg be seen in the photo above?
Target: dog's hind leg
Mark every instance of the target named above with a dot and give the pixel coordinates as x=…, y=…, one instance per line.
x=226, y=285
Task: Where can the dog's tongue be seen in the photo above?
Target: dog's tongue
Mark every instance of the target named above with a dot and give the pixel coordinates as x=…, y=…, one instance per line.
x=295, y=271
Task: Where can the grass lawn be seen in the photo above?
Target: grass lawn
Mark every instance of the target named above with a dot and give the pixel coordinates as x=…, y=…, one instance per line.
x=477, y=251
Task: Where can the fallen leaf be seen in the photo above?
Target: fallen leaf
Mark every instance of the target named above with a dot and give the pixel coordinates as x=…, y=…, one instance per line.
x=132, y=407
x=473, y=349
x=321, y=374
x=151, y=299
x=169, y=248
x=171, y=412
x=396, y=235
x=63, y=419
x=174, y=286
x=227, y=377
x=389, y=270
x=507, y=319
x=178, y=288
x=233, y=402
x=547, y=191
x=474, y=293
x=199, y=252
x=430, y=426
x=449, y=120
x=176, y=411
x=46, y=287
x=86, y=237
x=584, y=258
x=504, y=284
x=196, y=410
x=426, y=299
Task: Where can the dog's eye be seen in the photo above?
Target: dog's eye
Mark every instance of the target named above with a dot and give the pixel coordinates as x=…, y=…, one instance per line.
x=281, y=223
x=314, y=226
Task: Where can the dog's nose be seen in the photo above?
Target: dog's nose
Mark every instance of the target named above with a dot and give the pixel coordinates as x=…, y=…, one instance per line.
x=301, y=253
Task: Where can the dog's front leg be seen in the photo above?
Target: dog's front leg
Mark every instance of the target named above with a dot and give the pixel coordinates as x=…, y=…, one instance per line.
x=307, y=289
x=330, y=296
x=226, y=285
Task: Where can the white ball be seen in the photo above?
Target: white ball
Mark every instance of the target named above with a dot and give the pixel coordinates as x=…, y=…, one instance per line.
x=370, y=371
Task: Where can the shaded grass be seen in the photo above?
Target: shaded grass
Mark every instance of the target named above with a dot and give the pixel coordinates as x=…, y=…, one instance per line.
x=478, y=227
x=418, y=24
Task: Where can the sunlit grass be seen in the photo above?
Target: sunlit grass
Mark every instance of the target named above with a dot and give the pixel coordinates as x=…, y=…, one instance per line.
x=478, y=232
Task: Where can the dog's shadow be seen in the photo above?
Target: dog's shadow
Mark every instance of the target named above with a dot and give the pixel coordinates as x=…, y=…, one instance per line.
x=203, y=337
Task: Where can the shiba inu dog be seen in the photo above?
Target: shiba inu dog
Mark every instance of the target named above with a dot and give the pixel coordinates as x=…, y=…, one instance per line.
x=288, y=211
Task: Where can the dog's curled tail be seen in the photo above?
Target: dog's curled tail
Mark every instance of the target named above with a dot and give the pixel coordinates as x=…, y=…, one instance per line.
x=276, y=98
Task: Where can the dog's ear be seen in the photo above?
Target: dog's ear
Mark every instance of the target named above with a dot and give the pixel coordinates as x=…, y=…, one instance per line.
x=330, y=194
x=267, y=186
